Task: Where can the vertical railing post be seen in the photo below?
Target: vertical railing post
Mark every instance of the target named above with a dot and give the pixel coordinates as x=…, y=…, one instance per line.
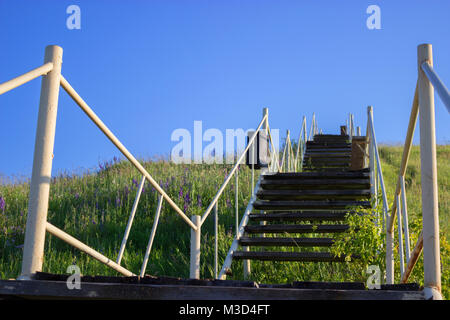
x=428, y=168
x=33, y=253
x=216, y=239
x=400, y=237
x=195, y=247
x=405, y=219
x=371, y=156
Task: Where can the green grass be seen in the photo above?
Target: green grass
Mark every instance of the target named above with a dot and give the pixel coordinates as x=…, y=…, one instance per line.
x=94, y=208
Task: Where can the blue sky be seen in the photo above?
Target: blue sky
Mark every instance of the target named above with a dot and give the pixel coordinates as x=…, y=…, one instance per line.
x=150, y=67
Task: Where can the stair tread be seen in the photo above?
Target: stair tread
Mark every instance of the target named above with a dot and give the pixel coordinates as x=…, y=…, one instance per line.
x=299, y=216
x=288, y=256
x=364, y=173
x=338, y=194
x=297, y=228
x=317, y=192
x=311, y=155
x=316, y=181
x=285, y=241
x=297, y=204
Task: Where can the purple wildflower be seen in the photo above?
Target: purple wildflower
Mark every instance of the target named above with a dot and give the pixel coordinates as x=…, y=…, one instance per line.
x=135, y=182
x=199, y=201
x=180, y=194
x=2, y=204
x=118, y=202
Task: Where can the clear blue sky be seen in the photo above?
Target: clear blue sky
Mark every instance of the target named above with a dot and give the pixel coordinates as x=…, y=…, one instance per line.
x=149, y=67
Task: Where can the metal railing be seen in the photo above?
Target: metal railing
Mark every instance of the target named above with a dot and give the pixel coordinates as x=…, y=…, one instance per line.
x=293, y=161
x=288, y=164
x=37, y=224
x=428, y=239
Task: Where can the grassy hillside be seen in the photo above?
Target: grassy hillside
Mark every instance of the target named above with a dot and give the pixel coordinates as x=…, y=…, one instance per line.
x=94, y=207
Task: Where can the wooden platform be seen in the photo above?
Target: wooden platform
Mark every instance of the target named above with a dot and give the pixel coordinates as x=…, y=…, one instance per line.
x=154, y=288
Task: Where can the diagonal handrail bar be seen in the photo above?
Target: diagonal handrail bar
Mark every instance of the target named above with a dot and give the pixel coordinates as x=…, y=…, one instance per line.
x=405, y=155
x=243, y=223
x=130, y=220
x=274, y=151
x=99, y=123
x=230, y=175
x=437, y=83
x=26, y=77
x=85, y=248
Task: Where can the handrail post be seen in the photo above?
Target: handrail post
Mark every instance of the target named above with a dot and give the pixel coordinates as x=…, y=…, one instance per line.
x=371, y=156
x=33, y=253
x=430, y=211
x=195, y=247
x=216, y=240
x=400, y=237
x=405, y=219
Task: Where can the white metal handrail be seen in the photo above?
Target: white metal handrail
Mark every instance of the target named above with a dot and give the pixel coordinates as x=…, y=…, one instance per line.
x=35, y=231
x=379, y=171
x=230, y=175
x=264, y=124
x=437, y=83
x=26, y=77
x=428, y=240
x=243, y=223
x=301, y=146
x=83, y=105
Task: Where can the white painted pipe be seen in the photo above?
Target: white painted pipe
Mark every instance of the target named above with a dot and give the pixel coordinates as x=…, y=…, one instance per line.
x=235, y=243
x=26, y=77
x=437, y=83
x=405, y=219
x=415, y=254
x=236, y=200
x=33, y=253
x=152, y=236
x=371, y=157
x=195, y=248
x=230, y=175
x=86, y=249
x=406, y=152
x=379, y=170
x=428, y=166
x=274, y=151
x=389, y=233
x=400, y=240
x=254, y=146
x=130, y=221
x=99, y=123
x=216, y=241
x=246, y=265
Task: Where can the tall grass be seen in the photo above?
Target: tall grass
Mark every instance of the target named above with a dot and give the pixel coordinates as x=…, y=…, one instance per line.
x=94, y=208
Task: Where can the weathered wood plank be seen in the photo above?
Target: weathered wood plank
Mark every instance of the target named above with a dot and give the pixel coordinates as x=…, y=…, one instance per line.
x=299, y=216
x=287, y=256
x=358, y=174
x=339, y=194
x=58, y=290
x=298, y=205
x=308, y=183
x=288, y=242
x=297, y=228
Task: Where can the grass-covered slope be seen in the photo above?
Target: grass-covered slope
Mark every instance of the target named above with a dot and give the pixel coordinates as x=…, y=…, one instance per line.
x=94, y=207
